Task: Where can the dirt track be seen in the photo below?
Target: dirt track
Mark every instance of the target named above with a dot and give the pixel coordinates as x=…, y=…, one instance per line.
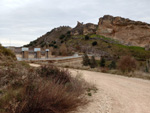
x=117, y=94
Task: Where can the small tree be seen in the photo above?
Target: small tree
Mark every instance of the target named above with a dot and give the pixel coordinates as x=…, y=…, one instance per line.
x=94, y=43
x=146, y=69
x=63, y=50
x=55, y=46
x=87, y=37
x=86, y=60
x=102, y=62
x=93, y=62
x=147, y=66
x=62, y=37
x=127, y=64
x=112, y=65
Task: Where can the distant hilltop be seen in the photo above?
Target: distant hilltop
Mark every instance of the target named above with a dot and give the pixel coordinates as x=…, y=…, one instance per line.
x=126, y=31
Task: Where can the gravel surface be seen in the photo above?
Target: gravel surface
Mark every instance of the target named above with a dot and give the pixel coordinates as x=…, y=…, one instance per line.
x=116, y=94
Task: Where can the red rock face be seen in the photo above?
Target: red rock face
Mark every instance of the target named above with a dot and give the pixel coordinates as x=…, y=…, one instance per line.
x=129, y=32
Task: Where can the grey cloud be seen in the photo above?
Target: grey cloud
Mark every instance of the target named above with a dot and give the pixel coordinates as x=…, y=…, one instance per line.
x=26, y=20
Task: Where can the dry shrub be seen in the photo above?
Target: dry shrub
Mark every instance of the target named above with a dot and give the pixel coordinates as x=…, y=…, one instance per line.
x=127, y=64
x=54, y=73
x=49, y=90
x=104, y=70
x=11, y=75
x=63, y=50
x=50, y=97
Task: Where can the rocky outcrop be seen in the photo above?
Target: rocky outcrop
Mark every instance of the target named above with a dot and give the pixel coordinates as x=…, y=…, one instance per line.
x=78, y=30
x=89, y=29
x=127, y=31
x=84, y=29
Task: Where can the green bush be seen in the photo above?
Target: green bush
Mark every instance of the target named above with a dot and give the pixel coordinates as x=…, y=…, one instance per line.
x=53, y=42
x=62, y=42
x=102, y=62
x=55, y=46
x=86, y=60
x=94, y=43
x=51, y=45
x=62, y=37
x=87, y=37
x=52, y=72
x=146, y=69
x=93, y=63
x=43, y=44
x=112, y=65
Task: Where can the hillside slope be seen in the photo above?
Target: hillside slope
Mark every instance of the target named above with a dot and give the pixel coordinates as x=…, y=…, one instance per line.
x=126, y=31
x=50, y=36
x=112, y=37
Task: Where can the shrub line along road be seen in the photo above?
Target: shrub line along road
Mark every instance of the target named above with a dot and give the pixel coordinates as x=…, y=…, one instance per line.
x=116, y=94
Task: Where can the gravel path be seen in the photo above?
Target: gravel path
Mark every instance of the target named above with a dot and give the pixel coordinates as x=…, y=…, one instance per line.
x=117, y=94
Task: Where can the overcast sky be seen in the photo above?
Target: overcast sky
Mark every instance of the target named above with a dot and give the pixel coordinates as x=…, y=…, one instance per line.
x=22, y=21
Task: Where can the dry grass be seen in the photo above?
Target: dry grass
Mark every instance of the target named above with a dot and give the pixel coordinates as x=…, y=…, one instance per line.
x=50, y=97
x=45, y=90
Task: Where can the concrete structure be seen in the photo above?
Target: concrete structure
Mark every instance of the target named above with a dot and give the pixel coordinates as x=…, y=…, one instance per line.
x=47, y=53
x=25, y=53
x=37, y=52
x=76, y=54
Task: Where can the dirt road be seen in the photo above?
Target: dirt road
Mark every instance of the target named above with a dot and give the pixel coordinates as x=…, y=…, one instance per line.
x=117, y=94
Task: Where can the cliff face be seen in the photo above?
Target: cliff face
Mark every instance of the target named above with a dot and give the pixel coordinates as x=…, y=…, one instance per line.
x=127, y=31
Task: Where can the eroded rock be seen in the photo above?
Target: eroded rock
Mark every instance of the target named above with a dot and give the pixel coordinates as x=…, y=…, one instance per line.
x=134, y=32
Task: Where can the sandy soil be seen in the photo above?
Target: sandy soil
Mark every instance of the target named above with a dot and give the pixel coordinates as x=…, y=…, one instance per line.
x=34, y=65
x=117, y=94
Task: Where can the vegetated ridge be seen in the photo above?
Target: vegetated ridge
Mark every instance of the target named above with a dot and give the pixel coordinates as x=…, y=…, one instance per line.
x=113, y=37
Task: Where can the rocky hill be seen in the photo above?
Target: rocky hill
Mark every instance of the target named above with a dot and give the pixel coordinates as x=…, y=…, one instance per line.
x=50, y=36
x=113, y=36
x=127, y=31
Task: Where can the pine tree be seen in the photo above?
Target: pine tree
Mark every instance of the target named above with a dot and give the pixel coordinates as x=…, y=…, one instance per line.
x=147, y=66
x=112, y=65
x=87, y=37
x=86, y=60
x=146, y=69
x=102, y=62
x=93, y=62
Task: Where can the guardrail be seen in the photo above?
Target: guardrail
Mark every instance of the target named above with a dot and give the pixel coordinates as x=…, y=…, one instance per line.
x=42, y=59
